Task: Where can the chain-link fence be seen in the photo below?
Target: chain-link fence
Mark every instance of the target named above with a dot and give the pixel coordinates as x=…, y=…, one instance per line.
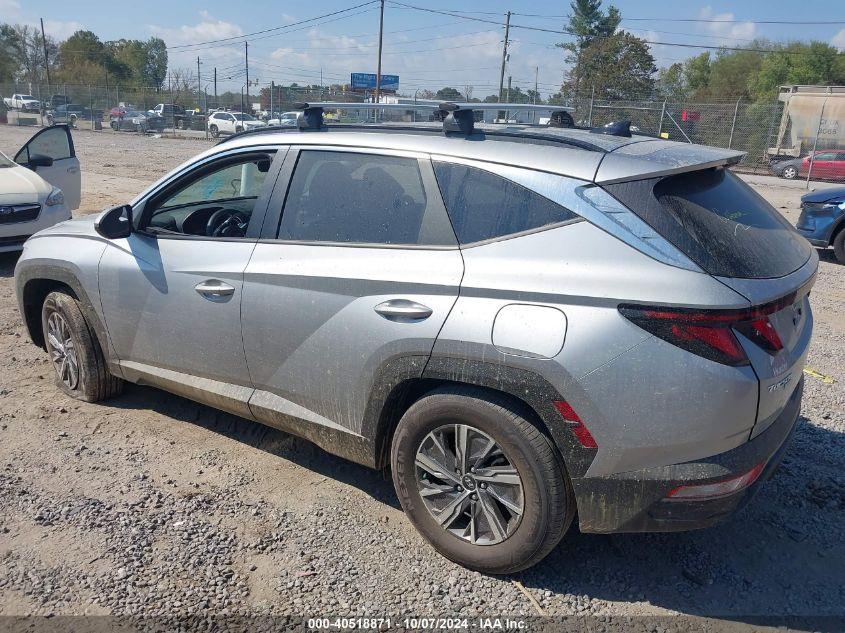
x=801, y=123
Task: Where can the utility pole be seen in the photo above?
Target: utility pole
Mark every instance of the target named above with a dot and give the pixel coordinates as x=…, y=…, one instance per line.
x=215, y=88
x=199, y=84
x=46, y=59
x=378, y=71
x=536, y=90
x=504, y=55
x=246, y=63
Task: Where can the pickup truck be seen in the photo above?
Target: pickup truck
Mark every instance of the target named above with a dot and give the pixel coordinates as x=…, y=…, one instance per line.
x=71, y=113
x=176, y=116
x=19, y=101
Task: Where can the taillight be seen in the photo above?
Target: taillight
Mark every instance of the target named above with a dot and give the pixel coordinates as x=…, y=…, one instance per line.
x=704, y=492
x=710, y=333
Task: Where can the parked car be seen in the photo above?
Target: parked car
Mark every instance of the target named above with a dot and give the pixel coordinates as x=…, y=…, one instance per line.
x=71, y=113
x=136, y=121
x=286, y=119
x=539, y=323
x=39, y=188
x=827, y=165
x=57, y=100
x=822, y=219
x=232, y=123
x=176, y=116
x=20, y=101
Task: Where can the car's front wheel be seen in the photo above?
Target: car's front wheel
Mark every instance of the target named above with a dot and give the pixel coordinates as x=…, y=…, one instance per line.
x=789, y=172
x=214, y=131
x=74, y=351
x=482, y=483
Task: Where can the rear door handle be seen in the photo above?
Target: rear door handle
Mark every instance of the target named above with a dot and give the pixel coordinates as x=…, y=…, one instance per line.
x=403, y=310
x=214, y=289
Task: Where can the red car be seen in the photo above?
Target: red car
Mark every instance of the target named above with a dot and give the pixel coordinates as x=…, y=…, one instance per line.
x=827, y=165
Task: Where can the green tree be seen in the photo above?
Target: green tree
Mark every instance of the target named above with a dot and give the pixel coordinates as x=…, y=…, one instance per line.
x=83, y=58
x=449, y=94
x=798, y=63
x=672, y=83
x=146, y=62
x=697, y=72
x=11, y=52
x=619, y=67
x=587, y=24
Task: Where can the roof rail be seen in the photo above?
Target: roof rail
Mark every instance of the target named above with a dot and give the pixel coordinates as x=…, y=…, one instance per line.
x=457, y=117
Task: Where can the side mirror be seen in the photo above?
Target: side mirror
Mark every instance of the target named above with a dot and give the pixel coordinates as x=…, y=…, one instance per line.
x=115, y=223
x=39, y=160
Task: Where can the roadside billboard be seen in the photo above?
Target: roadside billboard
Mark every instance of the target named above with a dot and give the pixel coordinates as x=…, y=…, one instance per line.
x=367, y=81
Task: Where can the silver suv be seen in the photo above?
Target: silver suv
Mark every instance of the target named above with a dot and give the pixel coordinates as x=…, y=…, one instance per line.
x=523, y=323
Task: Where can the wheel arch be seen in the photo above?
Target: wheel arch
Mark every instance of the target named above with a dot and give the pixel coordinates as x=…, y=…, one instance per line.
x=397, y=388
x=35, y=281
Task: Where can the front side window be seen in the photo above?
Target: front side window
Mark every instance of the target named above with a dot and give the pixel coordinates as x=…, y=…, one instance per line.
x=484, y=206
x=214, y=201
x=361, y=198
x=53, y=142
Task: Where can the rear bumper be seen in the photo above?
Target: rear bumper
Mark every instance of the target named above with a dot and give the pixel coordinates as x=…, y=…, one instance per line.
x=636, y=501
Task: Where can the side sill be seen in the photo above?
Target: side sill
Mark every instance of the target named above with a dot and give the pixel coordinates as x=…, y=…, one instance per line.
x=220, y=395
x=287, y=416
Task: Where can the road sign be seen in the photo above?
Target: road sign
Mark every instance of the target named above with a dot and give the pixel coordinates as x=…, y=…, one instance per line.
x=367, y=81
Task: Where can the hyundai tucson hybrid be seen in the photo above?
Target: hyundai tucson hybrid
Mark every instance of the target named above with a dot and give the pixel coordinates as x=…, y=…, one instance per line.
x=524, y=324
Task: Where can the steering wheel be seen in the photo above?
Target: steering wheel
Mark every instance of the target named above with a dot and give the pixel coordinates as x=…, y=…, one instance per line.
x=226, y=223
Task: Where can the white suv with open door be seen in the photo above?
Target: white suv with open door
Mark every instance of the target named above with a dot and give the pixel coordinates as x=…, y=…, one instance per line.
x=39, y=188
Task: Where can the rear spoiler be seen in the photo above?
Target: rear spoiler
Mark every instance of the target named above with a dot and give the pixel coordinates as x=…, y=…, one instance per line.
x=657, y=158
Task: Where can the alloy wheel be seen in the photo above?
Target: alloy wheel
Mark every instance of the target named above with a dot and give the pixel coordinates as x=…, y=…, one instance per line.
x=62, y=350
x=469, y=485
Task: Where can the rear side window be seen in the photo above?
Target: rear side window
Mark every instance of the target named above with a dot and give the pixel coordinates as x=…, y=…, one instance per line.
x=361, y=198
x=719, y=222
x=484, y=206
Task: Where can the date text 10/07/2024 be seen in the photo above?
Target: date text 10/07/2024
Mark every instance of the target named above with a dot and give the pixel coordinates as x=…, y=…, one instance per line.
x=416, y=623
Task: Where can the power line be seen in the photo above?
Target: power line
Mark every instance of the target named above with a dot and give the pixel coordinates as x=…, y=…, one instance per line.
x=703, y=20
x=566, y=32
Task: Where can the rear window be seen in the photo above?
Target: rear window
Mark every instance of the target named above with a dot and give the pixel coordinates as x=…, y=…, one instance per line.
x=719, y=222
x=485, y=206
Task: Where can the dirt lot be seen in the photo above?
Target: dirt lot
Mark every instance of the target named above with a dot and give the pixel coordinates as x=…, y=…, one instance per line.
x=151, y=504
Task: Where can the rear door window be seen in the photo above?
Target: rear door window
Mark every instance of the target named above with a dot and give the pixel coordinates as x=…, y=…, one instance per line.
x=362, y=198
x=484, y=206
x=719, y=222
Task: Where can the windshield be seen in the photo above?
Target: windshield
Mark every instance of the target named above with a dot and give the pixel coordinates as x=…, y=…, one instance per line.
x=244, y=117
x=27, y=97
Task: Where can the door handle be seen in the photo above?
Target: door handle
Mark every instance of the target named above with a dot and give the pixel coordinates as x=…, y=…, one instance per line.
x=403, y=310
x=214, y=289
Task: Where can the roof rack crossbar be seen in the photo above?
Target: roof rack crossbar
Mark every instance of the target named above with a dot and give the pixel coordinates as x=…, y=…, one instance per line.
x=457, y=117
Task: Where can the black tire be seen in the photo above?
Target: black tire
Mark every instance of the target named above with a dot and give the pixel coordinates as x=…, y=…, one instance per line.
x=839, y=245
x=549, y=502
x=94, y=380
x=115, y=125
x=214, y=131
x=789, y=172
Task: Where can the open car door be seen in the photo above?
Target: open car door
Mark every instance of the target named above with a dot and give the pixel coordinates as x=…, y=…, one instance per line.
x=56, y=144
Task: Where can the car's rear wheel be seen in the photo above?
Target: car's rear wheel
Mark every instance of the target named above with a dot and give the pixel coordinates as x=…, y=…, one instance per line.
x=114, y=125
x=839, y=245
x=214, y=131
x=74, y=351
x=789, y=172
x=481, y=483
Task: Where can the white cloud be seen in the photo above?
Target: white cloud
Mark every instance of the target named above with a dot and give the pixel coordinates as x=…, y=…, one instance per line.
x=208, y=28
x=727, y=33
x=838, y=40
x=62, y=30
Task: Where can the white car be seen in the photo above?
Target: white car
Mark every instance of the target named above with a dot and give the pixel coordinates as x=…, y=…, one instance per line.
x=232, y=123
x=287, y=119
x=22, y=102
x=39, y=188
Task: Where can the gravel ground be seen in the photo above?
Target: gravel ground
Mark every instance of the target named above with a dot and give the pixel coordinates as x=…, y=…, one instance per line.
x=151, y=504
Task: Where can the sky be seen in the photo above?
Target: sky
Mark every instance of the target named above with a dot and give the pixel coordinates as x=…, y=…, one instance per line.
x=426, y=49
